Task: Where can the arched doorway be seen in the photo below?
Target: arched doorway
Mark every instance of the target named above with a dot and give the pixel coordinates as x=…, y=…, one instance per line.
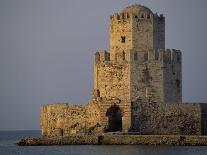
x=114, y=115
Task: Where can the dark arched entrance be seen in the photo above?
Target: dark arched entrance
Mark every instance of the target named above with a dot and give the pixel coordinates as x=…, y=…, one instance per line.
x=114, y=119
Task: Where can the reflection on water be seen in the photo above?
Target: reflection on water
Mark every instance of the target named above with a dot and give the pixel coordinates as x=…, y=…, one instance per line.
x=8, y=138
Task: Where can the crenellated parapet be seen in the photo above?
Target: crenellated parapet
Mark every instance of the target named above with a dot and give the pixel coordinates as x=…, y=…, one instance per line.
x=165, y=56
x=102, y=56
x=137, y=13
x=118, y=17
x=160, y=17
x=168, y=56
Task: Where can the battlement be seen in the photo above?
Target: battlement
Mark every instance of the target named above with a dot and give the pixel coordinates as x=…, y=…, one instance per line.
x=161, y=55
x=160, y=17
x=165, y=56
x=120, y=17
x=102, y=56
x=124, y=16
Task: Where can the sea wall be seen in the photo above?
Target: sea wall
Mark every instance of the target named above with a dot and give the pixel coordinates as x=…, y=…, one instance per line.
x=149, y=118
x=119, y=140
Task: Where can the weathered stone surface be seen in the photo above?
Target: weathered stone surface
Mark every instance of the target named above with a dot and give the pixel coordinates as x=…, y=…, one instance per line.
x=65, y=119
x=119, y=140
x=176, y=118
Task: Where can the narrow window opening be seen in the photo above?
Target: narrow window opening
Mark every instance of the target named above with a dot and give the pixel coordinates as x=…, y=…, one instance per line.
x=116, y=55
x=118, y=17
x=178, y=83
x=135, y=57
x=123, y=56
x=123, y=39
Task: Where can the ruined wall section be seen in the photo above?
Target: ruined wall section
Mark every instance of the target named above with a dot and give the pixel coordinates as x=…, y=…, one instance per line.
x=155, y=118
x=62, y=119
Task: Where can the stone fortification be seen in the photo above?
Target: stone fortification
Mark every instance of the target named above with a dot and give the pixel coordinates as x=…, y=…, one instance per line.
x=137, y=85
x=65, y=119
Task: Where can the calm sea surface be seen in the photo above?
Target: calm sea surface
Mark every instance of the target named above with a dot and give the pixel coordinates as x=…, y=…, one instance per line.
x=8, y=146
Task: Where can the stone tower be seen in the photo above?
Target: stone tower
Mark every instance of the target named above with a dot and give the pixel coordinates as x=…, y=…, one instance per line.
x=137, y=85
x=138, y=67
x=137, y=28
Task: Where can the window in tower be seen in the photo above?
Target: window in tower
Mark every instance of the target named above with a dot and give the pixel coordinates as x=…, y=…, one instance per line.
x=135, y=57
x=116, y=57
x=178, y=83
x=123, y=55
x=118, y=17
x=123, y=39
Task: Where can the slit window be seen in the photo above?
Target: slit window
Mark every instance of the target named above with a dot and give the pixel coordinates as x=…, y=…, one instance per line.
x=123, y=39
x=123, y=55
x=135, y=57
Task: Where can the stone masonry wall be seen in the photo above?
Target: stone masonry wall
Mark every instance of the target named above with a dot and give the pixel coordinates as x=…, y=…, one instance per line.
x=164, y=118
x=136, y=27
x=112, y=78
x=156, y=74
x=65, y=119
x=139, y=78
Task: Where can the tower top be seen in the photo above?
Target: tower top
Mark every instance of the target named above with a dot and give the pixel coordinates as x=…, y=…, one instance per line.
x=136, y=9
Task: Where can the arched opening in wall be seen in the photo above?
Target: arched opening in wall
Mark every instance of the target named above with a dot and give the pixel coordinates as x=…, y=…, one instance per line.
x=114, y=115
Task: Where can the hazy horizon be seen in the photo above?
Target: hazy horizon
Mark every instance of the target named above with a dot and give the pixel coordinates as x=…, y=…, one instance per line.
x=47, y=49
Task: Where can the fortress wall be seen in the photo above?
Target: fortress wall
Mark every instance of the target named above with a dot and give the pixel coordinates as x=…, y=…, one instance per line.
x=106, y=105
x=64, y=119
x=112, y=79
x=203, y=107
x=156, y=74
x=146, y=77
x=172, y=76
x=177, y=118
x=159, y=31
x=142, y=32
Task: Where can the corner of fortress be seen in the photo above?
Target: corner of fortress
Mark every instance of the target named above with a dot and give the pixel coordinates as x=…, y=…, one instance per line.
x=137, y=85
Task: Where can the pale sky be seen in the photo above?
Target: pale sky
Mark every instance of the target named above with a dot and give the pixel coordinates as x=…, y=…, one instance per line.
x=47, y=47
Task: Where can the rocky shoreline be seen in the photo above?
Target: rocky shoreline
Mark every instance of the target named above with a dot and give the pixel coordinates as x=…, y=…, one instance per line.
x=117, y=140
